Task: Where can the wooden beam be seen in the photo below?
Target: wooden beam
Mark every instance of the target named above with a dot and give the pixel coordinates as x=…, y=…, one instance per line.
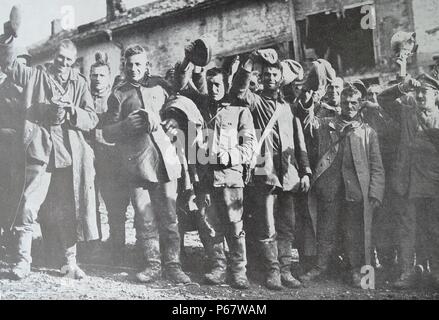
x=293, y=27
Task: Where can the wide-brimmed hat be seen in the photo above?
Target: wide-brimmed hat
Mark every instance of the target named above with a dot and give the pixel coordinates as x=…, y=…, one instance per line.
x=201, y=52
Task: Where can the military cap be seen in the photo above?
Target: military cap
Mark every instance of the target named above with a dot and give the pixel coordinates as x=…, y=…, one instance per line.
x=291, y=71
x=428, y=82
x=360, y=86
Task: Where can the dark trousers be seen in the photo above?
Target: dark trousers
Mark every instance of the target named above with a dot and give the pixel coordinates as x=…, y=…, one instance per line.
x=113, y=188
x=116, y=196
x=406, y=223
x=385, y=227
x=273, y=214
x=223, y=220
x=427, y=214
x=340, y=218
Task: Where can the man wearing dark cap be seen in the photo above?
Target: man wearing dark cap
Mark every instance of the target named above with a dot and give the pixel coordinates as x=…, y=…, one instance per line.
x=282, y=167
x=417, y=169
x=347, y=185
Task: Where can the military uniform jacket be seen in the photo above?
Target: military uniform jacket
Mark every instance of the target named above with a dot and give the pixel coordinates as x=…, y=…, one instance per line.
x=151, y=96
x=285, y=168
x=416, y=169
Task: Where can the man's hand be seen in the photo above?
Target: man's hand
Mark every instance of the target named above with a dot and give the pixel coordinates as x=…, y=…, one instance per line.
x=305, y=184
x=170, y=126
x=135, y=122
x=188, y=50
x=151, y=120
x=67, y=106
x=409, y=84
x=374, y=203
x=56, y=114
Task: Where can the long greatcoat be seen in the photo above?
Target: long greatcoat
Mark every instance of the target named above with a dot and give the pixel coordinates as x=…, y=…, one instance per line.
x=37, y=144
x=368, y=166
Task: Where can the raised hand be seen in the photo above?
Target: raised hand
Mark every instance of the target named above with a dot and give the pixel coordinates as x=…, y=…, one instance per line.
x=409, y=84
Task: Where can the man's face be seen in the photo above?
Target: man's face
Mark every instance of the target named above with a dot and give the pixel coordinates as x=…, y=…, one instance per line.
x=136, y=67
x=216, y=88
x=333, y=93
x=426, y=100
x=372, y=95
x=64, y=59
x=100, y=77
x=271, y=78
x=350, y=106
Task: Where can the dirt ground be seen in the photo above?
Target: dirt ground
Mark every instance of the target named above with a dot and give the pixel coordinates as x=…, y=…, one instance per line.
x=107, y=282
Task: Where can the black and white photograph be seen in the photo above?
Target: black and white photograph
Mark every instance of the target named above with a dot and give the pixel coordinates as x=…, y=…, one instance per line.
x=236, y=152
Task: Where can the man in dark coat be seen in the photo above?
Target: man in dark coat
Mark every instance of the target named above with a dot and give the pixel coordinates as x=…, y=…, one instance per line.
x=11, y=121
x=109, y=182
x=385, y=218
x=416, y=169
x=281, y=170
x=150, y=161
x=59, y=172
x=347, y=185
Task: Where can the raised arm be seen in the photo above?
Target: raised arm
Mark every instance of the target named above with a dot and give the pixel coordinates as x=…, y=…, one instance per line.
x=389, y=98
x=240, y=86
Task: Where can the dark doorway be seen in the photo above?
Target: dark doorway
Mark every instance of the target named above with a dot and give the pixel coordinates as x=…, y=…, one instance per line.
x=339, y=38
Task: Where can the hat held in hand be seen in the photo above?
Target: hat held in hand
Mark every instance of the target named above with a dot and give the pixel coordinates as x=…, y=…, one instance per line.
x=320, y=75
x=291, y=71
x=267, y=55
x=12, y=27
x=201, y=52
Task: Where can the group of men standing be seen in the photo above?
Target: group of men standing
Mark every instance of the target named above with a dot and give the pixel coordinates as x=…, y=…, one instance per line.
x=248, y=160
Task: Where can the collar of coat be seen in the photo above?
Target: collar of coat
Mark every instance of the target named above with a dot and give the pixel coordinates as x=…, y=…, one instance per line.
x=273, y=95
x=339, y=124
x=73, y=73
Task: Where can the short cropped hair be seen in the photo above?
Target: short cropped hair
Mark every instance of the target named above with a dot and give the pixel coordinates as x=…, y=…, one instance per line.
x=69, y=45
x=133, y=50
x=213, y=72
x=276, y=65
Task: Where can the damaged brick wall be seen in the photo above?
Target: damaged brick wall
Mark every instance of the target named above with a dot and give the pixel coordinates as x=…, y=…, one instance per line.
x=238, y=27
